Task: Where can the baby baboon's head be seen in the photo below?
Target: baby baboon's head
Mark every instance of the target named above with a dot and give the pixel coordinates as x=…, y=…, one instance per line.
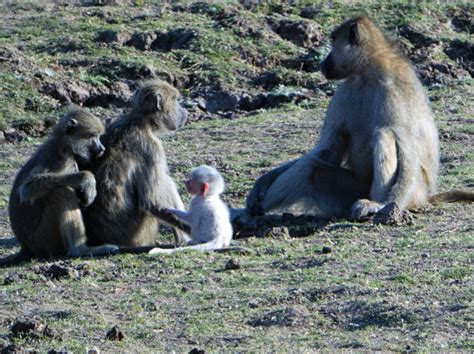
x=79, y=132
x=158, y=102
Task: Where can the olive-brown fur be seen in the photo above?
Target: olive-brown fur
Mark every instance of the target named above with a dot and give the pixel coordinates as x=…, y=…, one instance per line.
x=379, y=142
x=49, y=190
x=133, y=181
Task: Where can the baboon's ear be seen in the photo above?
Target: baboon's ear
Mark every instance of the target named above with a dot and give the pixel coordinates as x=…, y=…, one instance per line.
x=70, y=126
x=152, y=102
x=159, y=102
x=354, y=33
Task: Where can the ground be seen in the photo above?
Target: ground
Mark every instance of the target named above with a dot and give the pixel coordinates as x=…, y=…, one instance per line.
x=248, y=75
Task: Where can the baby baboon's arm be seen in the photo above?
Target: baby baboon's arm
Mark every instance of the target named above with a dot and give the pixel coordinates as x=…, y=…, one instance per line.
x=186, y=216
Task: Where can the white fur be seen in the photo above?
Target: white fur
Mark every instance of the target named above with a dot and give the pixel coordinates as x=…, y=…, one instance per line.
x=208, y=218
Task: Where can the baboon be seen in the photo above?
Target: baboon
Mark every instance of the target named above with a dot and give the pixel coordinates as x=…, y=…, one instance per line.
x=379, y=142
x=208, y=216
x=133, y=182
x=49, y=190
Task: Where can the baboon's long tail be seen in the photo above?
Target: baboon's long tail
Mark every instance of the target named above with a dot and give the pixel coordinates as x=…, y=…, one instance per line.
x=15, y=259
x=454, y=195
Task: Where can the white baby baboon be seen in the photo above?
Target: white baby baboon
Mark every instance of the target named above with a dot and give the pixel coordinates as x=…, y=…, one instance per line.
x=208, y=216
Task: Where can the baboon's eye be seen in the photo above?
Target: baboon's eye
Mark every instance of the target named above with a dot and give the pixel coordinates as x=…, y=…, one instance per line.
x=70, y=128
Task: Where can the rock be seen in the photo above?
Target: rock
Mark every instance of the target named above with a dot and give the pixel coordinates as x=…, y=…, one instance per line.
x=277, y=232
x=10, y=279
x=156, y=40
x=268, y=80
x=197, y=351
x=391, y=214
x=181, y=37
x=458, y=49
x=309, y=11
x=305, y=62
x=33, y=328
x=119, y=95
x=111, y=36
x=418, y=39
x=142, y=41
x=202, y=7
x=57, y=271
x=232, y=264
x=14, y=135
x=115, y=334
x=303, y=33
x=462, y=20
x=68, y=91
x=326, y=250
x=219, y=100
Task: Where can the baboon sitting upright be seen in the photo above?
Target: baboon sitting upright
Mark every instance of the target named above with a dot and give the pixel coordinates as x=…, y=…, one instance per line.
x=379, y=143
x=51, y=187
x=208, y=216
x=133, y=182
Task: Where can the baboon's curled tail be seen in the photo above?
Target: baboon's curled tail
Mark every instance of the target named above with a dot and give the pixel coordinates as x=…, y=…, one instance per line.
x=15, y=259
x=454, y=195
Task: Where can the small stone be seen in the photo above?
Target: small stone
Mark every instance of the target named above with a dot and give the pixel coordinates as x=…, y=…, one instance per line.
x=391, y=214
x=232, y=264
x=326, y=249
x=114, y=334
x=197, y=351
x=274, y=232
x=9, y=279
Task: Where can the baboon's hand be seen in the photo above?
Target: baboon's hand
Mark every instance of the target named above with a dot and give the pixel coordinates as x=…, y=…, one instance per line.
x=254, y=200
x=86, y=191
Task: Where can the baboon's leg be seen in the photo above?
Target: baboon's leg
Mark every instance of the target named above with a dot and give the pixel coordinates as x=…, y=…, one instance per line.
x=385, y=165
x=261, y=186
x=394, y=178
x=71, y=226
x=315, y=187
x=168, y=197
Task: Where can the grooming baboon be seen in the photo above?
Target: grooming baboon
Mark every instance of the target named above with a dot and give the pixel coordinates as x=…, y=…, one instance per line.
x=208, y=216
x=133, y=183
x=51, y=187
x=379, y=143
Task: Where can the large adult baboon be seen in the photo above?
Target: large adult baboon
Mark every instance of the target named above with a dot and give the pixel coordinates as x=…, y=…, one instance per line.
x=133, y=182
x=379, y=143
x=51, y=187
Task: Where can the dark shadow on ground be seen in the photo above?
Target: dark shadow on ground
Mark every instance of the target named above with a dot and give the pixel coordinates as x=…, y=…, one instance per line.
x=285, y=224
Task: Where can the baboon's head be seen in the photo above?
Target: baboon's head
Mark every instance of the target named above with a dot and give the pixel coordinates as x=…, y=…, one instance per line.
x=79, y=132
x=210, y=177
x=157, y=102
x=354, y=44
